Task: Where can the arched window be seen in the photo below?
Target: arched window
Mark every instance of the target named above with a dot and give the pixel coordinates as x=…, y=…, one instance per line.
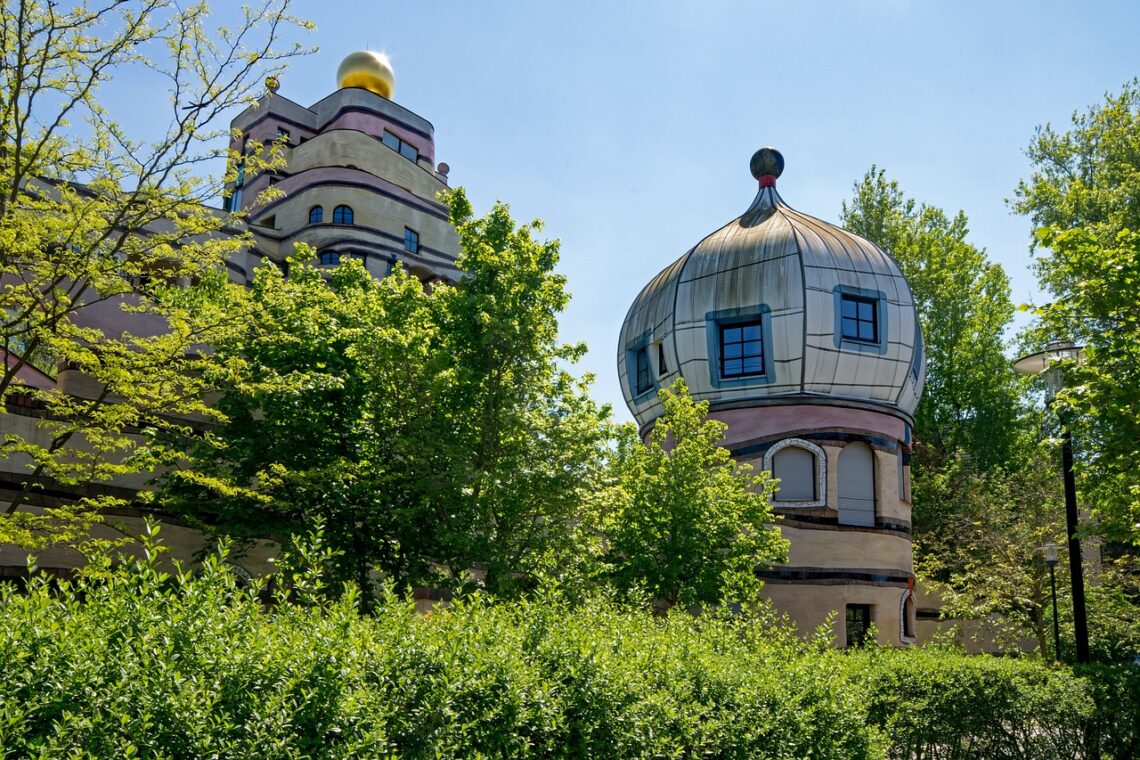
x=801, y=467
x=330, y=258
x=316, y=214
x=906, y=616
x=857, y=485
x=342, y=215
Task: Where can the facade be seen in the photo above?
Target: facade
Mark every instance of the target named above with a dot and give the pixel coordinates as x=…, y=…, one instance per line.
x=805, y=341
x=359, y=181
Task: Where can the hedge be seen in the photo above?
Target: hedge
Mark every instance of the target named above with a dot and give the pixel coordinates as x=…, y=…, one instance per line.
x=133, y=662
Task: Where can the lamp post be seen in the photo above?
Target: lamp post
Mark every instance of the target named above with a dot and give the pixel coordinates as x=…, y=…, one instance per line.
x=1050, y=552
x=1043, y=363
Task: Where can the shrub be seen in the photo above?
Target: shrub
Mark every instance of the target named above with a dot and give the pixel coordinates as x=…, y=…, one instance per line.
x=133, y=661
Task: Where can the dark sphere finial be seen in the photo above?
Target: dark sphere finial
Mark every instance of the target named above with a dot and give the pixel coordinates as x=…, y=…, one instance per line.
x=767, y=162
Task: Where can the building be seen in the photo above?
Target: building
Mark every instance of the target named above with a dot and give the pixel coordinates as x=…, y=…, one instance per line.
x=359, y=180
x=804, y=340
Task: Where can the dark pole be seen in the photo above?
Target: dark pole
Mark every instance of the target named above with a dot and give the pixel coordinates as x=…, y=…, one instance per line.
x=1056, y=623
x=1076, y=572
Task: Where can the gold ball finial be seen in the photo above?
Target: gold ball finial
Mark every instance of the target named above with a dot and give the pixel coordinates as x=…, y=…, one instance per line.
x=369, y=70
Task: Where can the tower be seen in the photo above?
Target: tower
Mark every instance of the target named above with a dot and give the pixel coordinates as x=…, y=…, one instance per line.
x=359, y=178
x=804, y=340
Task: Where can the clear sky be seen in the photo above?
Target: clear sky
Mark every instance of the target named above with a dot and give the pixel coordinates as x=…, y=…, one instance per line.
x=628, y=126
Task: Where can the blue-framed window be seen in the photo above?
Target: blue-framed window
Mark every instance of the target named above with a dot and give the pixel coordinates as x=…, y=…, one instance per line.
x=316, y=215
x=741, y=349
x=643, y=377
x=411, y=240
x=342, y=215
x=859, y=318
x=330, y=258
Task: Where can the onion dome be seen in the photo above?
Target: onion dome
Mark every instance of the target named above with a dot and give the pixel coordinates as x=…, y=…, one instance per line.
x=776, y=307
x=369, y=70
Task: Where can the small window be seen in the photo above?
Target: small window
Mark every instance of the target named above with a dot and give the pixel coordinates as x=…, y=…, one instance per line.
x=859, y=318
x=342, y=215
x=662, y=369
x=330, y=258
x=316, y=214
x=283, y=135
x=741, y=350
x=405, y=149
x=390, y=140
x=411, y=240
x=858, y=624
x=795, y=467
x=643, y=380
x=908, y=615
x=409, y=152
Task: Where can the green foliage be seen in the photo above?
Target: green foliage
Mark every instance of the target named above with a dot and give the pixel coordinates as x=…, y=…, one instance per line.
x=1088, y=176
x=1115, y=729
x=683, y=521
x=942, y=705
x=433, y=432
x=131, y=660
x=99, y=228
x=971, y=398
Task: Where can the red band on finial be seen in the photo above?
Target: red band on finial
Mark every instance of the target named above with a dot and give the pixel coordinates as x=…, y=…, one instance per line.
x=767, y=180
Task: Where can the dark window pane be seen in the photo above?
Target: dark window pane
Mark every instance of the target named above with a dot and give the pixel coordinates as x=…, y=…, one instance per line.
x=848, y=308
x=316, y=214
x=866, y=311
x=752, y=332
x=732, y=350
x=661, y=368
x=411, y=240
x=408, y=152
x=866, y=331
x=390, y=140
x=733, y=367
x=642, y=380
x=731, y=334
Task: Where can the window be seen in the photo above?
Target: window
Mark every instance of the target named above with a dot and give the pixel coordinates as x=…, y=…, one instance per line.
x=342, y=215
x=857, y=485
x=644, y=382
x=859, y=318
x=316, y=214
x=795, y=467
x=283, y=135
x=801, y=467
x=741, y=350
x=411, y=240
x=858, y=620
x=407, y=150
x=330, y=258
x=907, y=615
x=661, y=367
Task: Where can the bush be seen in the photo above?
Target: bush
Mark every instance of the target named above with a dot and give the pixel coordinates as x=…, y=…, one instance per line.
x=1116, y=724
x=135, y=662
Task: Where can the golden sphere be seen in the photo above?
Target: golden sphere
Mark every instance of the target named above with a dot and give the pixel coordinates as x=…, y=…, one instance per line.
x=369, y=70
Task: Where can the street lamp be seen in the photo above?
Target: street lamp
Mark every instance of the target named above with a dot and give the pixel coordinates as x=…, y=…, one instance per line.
x=1044, y=363
x=1050, y=552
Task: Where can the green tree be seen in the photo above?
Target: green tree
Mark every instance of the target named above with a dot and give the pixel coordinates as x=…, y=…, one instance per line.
x=98, y=227
x=682, y=520
x=971, y=401
x=434, y=433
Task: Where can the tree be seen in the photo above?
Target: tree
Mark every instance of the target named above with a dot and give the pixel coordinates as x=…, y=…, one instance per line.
x=971, y=401
x=433, y=432
x=1084, y=194
x=97, y=226
x=682, y=520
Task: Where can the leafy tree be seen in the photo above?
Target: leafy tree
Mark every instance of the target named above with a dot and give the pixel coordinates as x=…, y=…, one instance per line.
x=1089, y=175
x=971, y=399
x=433, y=432
x=682, y=520
x=97, y=226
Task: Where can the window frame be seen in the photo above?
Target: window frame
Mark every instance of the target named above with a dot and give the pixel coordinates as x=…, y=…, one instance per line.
x=857, y=321
x=820, y=457
x=319, y=212
x=881, y=324
x=416, y=248
x=343, y=214
x=716, y=322
x=333, y=258
x=869, y=613
x=637, y=392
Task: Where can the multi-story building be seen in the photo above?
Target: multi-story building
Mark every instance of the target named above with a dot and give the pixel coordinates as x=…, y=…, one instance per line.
x=804, y=340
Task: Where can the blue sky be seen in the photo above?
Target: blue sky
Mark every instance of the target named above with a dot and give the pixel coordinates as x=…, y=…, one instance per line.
x=628, y=127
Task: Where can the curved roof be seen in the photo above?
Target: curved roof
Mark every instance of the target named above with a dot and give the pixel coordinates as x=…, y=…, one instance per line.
x=789, y=272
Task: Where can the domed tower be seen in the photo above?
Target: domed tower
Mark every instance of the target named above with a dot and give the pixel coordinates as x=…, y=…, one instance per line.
x=359, y=181
x=804, y=340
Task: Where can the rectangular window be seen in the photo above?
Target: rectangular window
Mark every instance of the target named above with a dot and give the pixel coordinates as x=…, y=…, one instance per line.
x=859, y=318
x=662, y=369
x=283, y=134
x=858, y=623
x=406, y=150
x=644, y=382
x=411, y=240
x=741, y=350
